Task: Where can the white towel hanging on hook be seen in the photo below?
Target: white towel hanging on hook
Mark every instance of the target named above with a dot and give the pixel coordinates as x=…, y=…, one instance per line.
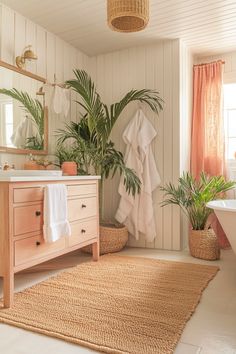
x=60, y=101
x=137, y=212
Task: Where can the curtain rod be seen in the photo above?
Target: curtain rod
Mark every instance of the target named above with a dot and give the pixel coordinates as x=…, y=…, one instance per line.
x=216, y=61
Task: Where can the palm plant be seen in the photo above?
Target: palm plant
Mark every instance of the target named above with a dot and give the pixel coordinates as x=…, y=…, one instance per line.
x=92, y=133
x=36, y=111
x=192, y=196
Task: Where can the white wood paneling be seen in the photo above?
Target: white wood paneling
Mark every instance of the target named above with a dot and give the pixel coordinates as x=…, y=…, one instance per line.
x=20, y=31
x=156, y=67
x=205, y=25
x=186, y=90
x=7, y=35
x=54, y=57
x=41, y=47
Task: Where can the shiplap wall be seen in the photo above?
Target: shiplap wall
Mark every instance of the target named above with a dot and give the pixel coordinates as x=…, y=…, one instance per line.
x=186, y=97
x=155, y=67
x=54, y=57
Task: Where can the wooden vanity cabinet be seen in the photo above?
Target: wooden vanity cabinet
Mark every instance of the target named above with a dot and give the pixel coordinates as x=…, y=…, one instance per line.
x=22, y=243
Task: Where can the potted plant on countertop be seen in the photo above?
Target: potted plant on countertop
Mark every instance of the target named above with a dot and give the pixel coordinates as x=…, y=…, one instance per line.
x=98, y=153
x=68, y=159
x=192, y=195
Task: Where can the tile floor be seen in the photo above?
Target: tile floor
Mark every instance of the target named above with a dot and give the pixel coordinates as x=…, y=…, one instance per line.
x=211, y=330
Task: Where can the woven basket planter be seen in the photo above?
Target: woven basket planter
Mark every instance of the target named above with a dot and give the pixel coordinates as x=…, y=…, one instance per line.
x=203, y=244
x=113, y=238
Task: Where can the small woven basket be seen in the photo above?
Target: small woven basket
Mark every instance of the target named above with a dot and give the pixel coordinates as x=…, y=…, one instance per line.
x=113, y=238
x=203, y=244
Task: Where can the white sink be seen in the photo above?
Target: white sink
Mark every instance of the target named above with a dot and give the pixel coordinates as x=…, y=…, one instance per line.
x=30, y=173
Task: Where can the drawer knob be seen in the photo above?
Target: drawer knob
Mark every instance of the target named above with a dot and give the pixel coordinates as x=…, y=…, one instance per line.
x=83, y=206
x=38, y=213
x=83, y=231
x=38, y=243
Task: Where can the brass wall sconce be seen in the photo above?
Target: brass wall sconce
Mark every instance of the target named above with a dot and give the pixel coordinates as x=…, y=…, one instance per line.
x=28, y=54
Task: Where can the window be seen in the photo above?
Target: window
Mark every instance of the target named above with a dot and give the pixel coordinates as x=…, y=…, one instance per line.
x=6, y=121
x=8, y=107
x=230, y=120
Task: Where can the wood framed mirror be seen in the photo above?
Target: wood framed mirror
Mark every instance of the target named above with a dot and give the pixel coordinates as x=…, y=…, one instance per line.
x=23, y=113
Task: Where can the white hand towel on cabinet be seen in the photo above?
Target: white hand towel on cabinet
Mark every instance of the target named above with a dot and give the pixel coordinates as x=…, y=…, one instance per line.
x=56, y=223
x=137, y=212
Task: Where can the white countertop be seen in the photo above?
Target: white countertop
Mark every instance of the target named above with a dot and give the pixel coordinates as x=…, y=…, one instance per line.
x=46, y=178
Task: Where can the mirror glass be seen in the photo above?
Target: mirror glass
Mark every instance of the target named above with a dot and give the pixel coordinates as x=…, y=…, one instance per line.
x=22, y=113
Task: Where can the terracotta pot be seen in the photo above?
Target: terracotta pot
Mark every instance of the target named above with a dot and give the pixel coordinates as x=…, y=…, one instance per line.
x=69, y=168
x=32, y=165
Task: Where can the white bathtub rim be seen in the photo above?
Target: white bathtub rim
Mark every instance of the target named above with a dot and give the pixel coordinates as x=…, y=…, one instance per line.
x=223, y=205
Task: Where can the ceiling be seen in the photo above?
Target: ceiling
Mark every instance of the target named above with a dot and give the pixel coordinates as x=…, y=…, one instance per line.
x=207, y=26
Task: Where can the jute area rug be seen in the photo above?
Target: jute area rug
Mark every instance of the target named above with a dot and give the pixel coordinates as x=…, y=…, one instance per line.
x=117, y=305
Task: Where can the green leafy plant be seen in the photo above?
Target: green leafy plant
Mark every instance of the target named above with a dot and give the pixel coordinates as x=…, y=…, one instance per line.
x=192, y=196
x=92, y=134
x=36, y=111
x=66, y=154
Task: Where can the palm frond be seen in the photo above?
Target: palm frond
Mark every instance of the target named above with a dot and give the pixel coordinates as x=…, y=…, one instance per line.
x=149, y=97
x=113, y=162
x=192, y=196
x=89, y=98
x=30, y=105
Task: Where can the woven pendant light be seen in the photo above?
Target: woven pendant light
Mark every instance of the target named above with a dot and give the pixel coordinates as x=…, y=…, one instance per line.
x=127, y=15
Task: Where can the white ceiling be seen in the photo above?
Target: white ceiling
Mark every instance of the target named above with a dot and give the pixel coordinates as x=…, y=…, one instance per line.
x=207, y=26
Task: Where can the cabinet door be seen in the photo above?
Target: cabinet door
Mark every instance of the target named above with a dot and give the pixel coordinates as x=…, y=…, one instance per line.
x=83, y=231
x=31, y=248
x=82, y=208
x=28, y=219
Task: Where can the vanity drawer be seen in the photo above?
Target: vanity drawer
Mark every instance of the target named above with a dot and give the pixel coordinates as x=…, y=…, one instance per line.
x=83, y=231
x=24, y=195
x=82, y=208
x=28, y=219
x=32, y=248
x=81, y=189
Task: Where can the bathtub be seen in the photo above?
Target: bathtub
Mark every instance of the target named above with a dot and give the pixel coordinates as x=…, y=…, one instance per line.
x=225, y=211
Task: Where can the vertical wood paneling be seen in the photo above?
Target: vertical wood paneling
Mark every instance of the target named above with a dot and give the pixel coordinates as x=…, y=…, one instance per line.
x=158, y=57
x=176, y=139
x=74, y=109
x=155, y=67
x=150, y=82
x=186, y=90
x=168, y=140
x=59, y=60
x=31, y=40
x=7, y=35
x=50, y=56
x=41, y=48
x=20, y=27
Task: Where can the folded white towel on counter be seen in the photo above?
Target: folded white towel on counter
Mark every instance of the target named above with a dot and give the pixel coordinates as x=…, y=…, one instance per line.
x=56, y=224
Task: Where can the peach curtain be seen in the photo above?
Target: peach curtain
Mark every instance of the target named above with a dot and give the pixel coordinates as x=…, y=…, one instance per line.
x=207, y=148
